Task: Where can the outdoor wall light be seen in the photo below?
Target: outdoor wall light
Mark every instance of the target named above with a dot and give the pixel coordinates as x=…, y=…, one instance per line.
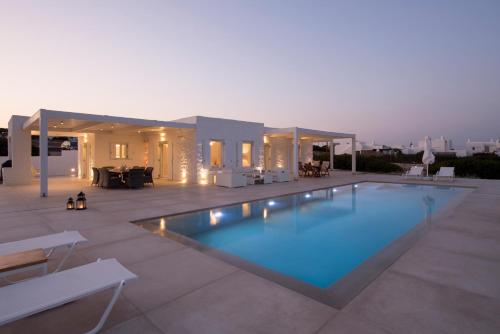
x=271, y=203
x=308, y=195
x=70, y=204
x=81, y=201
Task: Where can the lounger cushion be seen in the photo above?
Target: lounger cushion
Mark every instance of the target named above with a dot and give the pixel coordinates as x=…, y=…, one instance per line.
x=39, y=294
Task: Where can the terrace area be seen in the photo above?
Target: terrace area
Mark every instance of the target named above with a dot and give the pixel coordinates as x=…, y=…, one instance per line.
x=446, y=282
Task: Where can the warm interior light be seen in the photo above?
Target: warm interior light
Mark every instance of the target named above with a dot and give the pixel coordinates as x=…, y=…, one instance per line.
x=246, y=155
x=213, y=218
x=264, y=213
x=163, y=224
x=245, y=209
x=216, y=154
x=203, y=176
x=183, y=176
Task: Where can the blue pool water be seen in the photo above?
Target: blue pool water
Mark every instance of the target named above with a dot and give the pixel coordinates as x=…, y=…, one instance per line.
x=316, y=237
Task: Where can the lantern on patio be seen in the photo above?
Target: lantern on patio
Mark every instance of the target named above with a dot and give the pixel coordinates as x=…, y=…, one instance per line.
x=70, y=204
x=81, y=201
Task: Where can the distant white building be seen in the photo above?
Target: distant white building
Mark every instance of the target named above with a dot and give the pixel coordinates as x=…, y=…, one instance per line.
x=345, y=147
x=492, y=146
x=439, y=145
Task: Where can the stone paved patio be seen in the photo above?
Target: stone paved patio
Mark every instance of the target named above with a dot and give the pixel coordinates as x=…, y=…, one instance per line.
x=447, y=283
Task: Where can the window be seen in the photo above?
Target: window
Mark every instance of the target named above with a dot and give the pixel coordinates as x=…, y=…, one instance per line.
x=215, y=153
x=246, y=155
x=119, y=151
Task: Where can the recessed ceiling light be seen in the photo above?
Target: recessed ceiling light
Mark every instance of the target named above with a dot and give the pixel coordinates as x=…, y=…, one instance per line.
x=61, y=122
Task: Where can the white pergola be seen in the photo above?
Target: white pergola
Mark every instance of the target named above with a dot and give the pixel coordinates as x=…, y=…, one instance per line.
x=71, y=124
x=298, y=134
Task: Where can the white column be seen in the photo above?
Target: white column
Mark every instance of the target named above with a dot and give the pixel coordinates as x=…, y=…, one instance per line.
x=44, y=154
x=353, y=161
x=332, y=152
x=295, y=160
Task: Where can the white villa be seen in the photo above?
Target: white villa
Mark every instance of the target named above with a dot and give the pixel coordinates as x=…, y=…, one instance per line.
x=492, y=146
x=188, y=150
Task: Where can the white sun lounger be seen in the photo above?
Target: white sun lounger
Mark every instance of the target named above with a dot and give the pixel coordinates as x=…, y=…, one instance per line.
x=414, y=172
x=47, y=242
x=445, y=173
x=33, y=296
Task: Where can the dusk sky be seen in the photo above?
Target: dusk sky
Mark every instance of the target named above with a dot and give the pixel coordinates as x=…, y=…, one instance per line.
x=390, y=71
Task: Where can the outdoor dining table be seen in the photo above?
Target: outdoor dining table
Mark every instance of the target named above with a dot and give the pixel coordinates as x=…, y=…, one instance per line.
x=121, y=172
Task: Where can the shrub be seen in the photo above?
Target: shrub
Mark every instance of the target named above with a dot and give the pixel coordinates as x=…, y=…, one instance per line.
x=366, y=164
x=484, y=166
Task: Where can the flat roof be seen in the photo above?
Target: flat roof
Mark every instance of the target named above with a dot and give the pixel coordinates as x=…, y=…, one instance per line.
x=303, y=132
x=67, y=122
x=79, y=122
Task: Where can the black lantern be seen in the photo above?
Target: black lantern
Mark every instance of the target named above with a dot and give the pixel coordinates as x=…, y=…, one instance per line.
x=70, y=204
x=81, y=201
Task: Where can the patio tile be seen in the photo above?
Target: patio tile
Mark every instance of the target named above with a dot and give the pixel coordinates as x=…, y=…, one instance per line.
x=139, y=325
x=488, y=228
x=167, y=277
x=133, y=250
x=481, y=207
x=20, y=219
x=242, y=303
x=458, y=270
x=77, y=220
x=349, y=323
x=111, y=233
x=406, y=304
x=20, y=232
x=76, y=317
x=463, y=242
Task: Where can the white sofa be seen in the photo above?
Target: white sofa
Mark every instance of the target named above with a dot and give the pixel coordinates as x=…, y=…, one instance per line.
x=230, y=179
x=268, y=177
x=281, y=175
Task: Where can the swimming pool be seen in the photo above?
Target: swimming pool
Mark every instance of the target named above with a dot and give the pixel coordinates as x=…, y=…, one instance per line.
x=314, y=238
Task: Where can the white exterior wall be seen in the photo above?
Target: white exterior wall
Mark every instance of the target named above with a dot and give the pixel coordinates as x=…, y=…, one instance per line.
x=182, y=147
x=232, y=133
x=60, y=165
x=306, y=151
x=19, y=142
x=281, y=152
x=102, y=149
